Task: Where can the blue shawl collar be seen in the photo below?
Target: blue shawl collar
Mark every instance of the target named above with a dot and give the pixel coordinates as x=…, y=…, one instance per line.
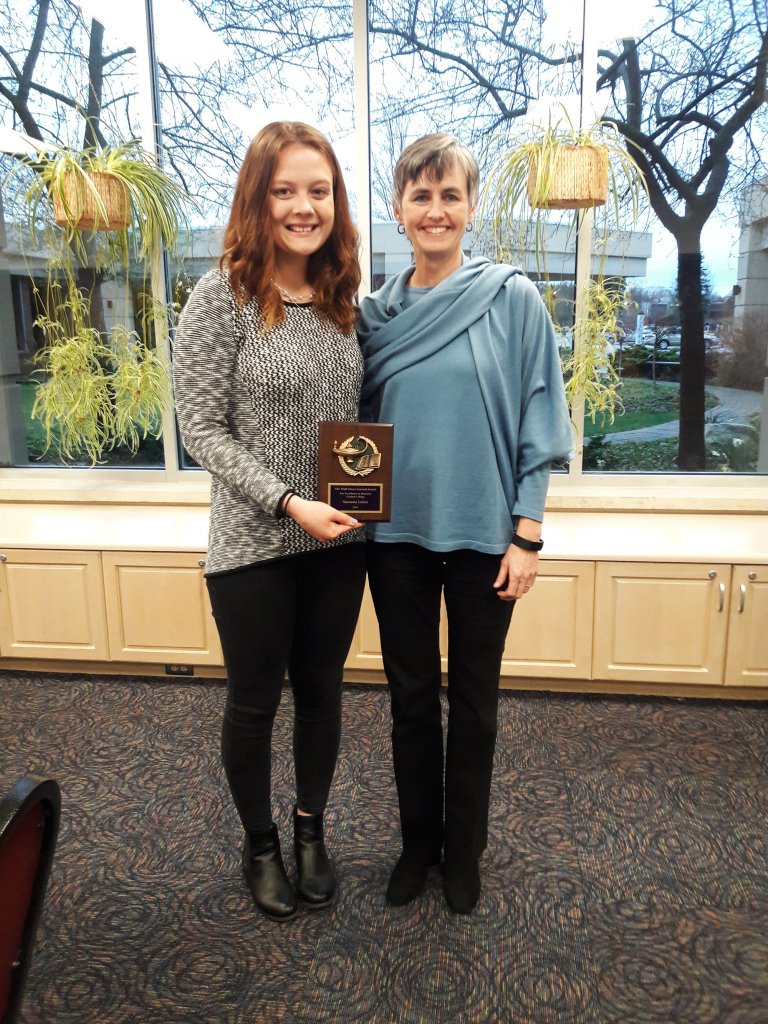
x=393, y=338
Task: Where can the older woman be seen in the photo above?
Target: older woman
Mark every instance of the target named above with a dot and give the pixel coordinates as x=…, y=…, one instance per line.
x=461, y=356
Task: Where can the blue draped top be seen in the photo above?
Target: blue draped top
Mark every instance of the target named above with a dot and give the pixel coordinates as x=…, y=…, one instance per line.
x=469, y=373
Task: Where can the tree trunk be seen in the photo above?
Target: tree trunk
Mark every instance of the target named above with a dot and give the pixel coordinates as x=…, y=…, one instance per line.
x=691, y=454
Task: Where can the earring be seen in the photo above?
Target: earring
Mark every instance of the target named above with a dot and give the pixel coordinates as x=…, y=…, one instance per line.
x=401, y=229
x=469, y=226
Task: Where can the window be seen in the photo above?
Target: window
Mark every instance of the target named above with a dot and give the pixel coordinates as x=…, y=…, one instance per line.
x=692, y=351
x=67, y=79
x=224, y=77
x=678, y=80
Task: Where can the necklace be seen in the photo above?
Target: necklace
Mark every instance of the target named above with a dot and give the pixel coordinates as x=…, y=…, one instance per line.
x=292, y=298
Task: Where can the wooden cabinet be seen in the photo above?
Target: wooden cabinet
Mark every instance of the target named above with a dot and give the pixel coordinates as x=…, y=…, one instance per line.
x=681, y=623
x=621, y=624
x=158, y=609
x=747, y=655
x=52, y=605
x=551, y=631
x=661, y=622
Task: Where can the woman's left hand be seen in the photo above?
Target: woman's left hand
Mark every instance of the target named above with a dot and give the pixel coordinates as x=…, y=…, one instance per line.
x=517, y=573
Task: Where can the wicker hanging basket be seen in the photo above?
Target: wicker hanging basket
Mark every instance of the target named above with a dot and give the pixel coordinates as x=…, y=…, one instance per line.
x=574, y=178
x=77, y=206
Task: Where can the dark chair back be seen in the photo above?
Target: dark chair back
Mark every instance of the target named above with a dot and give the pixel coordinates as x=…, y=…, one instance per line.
x=29, y=825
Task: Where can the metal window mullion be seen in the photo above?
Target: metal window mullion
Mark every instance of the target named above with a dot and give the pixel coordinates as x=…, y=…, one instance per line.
x=149, y=121
x=585, y=222
x=362, y=138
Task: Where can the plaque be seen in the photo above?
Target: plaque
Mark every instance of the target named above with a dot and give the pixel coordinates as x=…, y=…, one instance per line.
x=355, y=468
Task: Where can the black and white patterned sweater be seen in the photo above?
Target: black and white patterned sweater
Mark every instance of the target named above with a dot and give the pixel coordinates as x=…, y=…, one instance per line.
x=248, y=405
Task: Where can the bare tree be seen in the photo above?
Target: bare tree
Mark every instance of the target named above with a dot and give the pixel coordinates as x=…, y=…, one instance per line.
x=55, y=77
x=50, y=50
x=684, y=97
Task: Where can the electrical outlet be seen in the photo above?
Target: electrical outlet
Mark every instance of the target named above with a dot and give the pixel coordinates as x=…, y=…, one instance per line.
x=179, y=670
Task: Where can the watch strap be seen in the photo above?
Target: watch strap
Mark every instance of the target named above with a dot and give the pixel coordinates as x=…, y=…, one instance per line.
x=527, y=545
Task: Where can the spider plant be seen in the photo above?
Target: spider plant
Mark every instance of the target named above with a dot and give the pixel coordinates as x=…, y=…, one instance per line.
x=519, y=185
x=589, y=370
x=98, y=388
x=515, y=200
x=157, y=203
x=96, y=393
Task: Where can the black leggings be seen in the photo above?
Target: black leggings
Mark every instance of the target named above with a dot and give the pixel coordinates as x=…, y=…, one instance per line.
x=297, y=613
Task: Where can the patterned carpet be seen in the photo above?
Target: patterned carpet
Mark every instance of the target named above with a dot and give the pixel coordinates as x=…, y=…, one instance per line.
x=626, y=880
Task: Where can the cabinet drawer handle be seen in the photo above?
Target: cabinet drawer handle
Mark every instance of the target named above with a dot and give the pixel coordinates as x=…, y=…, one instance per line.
x=3, y=558
x=742, y=597
x=721, y=597
x=201, y=563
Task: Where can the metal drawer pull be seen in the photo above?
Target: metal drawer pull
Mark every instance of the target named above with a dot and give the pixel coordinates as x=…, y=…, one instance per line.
x=742, y=597
x=721, y=599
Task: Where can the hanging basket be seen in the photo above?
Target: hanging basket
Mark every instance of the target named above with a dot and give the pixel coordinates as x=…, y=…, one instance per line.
x=573, y=178
x=77, y=206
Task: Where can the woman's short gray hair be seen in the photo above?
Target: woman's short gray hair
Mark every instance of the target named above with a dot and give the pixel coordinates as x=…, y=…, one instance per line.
x=435, y=155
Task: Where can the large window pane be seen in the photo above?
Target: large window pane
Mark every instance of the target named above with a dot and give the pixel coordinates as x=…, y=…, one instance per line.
x=686, y=91
x=474, y=71
x=69, y=80
x=225, y=70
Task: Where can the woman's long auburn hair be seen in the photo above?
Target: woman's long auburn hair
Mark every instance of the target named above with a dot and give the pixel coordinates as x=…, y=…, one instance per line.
x=249, y=246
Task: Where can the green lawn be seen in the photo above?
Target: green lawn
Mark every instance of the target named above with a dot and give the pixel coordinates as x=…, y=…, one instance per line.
x=627, y=421
x=34, y=429
x=645, y=404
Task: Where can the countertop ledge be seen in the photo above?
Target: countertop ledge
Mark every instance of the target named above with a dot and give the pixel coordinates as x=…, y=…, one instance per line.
x=617, y=535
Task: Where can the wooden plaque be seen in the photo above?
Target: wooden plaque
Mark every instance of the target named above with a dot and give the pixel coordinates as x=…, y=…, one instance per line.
x=355, y=468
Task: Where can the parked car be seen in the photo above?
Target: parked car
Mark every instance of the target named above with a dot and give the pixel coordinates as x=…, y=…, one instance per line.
x=671, y=340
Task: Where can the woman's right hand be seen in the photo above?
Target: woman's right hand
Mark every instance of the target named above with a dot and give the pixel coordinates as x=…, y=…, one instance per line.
x=321, y=521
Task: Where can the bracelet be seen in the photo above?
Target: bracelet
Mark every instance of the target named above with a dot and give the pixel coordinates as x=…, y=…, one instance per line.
x=283, y=503
x=526, y=545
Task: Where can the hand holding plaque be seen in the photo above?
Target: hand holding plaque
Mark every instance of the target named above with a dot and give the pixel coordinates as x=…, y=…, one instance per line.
x=355, y=468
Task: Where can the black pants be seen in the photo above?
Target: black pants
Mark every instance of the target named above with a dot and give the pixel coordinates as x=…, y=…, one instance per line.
x=299, y=614
x=406, y=584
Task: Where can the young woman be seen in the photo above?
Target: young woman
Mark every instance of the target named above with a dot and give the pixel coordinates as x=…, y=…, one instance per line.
x=266, y=349
x=461, y=357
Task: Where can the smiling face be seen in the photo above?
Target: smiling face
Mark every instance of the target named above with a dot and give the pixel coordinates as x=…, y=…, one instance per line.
x=435, y=214
x=300, y=202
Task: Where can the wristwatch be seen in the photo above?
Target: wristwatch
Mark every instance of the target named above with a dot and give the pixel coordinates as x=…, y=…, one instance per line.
x=527, y=545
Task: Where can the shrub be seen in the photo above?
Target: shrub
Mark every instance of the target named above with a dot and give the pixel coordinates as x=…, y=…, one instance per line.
x=743, y=365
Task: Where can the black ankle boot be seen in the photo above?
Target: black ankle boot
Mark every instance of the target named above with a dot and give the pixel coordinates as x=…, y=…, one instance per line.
x=461, y=885
x=316, y=882
x=264, y=872
x=408, y=878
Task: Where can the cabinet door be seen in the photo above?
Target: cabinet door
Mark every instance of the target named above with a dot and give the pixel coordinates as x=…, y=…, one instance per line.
x=365, y=651
x=551, y=631
x=661, y=622
x=747, y=663
x=52, y=605
x=158, y=609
